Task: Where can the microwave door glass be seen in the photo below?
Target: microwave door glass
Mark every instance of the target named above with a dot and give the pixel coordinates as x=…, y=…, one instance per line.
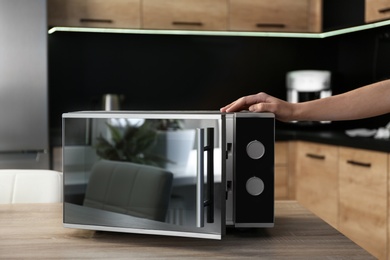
x=144, y=175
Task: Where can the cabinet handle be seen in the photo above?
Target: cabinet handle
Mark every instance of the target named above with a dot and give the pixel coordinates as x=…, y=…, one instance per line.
x=362, y=164
x=384, y=10
x=88, y=20
x=270, y=25
x=187, y=23
x=315, y=156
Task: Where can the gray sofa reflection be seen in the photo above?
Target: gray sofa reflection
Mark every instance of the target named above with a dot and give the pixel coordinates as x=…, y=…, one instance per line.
x=128, y=188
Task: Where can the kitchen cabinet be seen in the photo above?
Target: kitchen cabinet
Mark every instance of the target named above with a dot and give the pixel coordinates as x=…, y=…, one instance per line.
x=218, y=15
x=376, y=10
x=94, y=13
x=185, y=14
x=317, y=179
x=285, y=170
x=363, y=198
x=277, y=15
x=281, y=170
x=348, y=188
x=292, y=168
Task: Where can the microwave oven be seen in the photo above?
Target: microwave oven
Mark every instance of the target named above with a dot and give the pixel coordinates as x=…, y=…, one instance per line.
x=176, y=173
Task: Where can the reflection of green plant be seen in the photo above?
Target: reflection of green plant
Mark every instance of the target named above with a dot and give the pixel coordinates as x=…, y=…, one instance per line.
x=130, y=143
x=167, y=124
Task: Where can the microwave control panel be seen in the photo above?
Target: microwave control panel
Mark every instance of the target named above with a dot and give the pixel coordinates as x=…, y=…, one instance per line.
x=254, y=170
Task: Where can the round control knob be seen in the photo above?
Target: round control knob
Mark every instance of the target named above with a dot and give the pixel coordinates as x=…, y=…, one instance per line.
x=254, y=186
x=255, y=149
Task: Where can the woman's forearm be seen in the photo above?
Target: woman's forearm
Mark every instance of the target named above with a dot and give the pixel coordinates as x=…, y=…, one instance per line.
x=364, y=102
x=368, y=101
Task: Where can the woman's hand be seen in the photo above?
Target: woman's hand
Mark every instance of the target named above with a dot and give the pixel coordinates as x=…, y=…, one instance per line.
x=263, y=102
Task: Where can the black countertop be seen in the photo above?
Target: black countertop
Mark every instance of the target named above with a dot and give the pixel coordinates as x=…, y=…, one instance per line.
x=332, y=137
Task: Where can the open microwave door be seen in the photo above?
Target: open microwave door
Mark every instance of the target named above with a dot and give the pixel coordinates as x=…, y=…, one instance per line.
x=160, y=173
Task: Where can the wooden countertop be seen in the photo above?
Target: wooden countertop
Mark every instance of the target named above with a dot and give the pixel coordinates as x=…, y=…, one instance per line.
x=36, y=231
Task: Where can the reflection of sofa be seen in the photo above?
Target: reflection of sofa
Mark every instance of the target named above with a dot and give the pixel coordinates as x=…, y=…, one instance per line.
x=129, y=188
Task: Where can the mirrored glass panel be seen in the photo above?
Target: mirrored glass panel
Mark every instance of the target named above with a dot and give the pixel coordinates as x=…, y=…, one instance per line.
x=144, y=172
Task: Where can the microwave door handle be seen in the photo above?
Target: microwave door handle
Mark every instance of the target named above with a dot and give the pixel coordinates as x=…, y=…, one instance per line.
x=210, y=175
x=200, y=202
x=200, y=178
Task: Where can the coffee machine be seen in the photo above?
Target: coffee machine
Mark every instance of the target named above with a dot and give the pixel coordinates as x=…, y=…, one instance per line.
x=305, y=85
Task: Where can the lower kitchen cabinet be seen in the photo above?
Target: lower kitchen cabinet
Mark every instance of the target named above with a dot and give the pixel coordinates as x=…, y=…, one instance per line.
x=281, y=182
x=285, y=170
x=348, y=188
x=317, y=179
x=281, y=170
x=363, y=198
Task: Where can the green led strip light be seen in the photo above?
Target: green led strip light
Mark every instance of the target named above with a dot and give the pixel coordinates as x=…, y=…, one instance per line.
x=222, y=33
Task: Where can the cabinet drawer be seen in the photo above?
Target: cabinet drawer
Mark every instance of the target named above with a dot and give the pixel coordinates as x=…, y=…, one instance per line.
x=265, y=15
x=282, y=188
x=317, y=179
x=94, y=13
x=363, y=198
x=185, y=14
x=281, y=149
x=377, y=10
x=281, y=183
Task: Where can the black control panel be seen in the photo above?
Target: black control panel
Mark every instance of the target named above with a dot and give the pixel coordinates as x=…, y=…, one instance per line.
x=254, y=171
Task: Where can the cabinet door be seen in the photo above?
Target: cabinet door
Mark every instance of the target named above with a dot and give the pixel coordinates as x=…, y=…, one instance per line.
x=377, y=10
x=263, y=15
x=281, y=170
x=317, y=180
x=94, y=13
x=363, y=198
x=185, y=14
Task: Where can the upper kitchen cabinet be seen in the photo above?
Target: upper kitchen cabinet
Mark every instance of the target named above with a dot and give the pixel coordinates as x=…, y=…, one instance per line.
x=94, y=13
x=276, y=15
x=185, y=14
x=377, y=10
x=226, y=17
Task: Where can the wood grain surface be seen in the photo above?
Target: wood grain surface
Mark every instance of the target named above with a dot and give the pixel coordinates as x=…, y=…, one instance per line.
x=35, y=231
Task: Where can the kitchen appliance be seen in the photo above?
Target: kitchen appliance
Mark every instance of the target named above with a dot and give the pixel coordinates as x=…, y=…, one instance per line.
x=111, y=102
x=23, y=84
x=306, y=85
x=114, y=180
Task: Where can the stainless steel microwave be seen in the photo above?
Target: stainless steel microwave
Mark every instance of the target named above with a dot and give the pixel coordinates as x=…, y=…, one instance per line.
x=187, y=173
